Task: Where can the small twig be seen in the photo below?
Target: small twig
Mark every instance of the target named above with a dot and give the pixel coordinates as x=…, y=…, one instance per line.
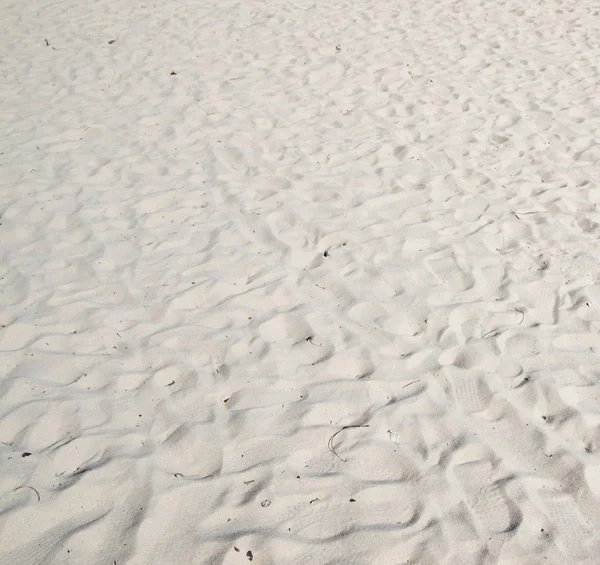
x=488, y=333
x=34, y=490
x=170, y=384
x=515, y=215
x=330, y=442
x=411, y=383
x=498, y=329
x=310, y=340
x=522, y=314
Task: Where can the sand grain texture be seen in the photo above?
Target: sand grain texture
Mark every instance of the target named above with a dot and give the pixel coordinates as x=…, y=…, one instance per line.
x=229, y=231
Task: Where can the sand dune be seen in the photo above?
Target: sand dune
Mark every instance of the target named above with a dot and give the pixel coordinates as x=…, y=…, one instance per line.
x=299, y=283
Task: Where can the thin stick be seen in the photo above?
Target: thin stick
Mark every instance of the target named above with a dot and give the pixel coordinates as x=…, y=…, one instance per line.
x=498, y=329
x=488, y=333
x=27, y=486
x=411, y=383
x=522, y=314
x=330, y=442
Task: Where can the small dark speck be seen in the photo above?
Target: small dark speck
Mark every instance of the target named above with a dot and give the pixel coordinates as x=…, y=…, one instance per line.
x=26, y=454
x=236, y=548
x=326, y=254
x=249, y=555
x=111, y=41
x=352, y=500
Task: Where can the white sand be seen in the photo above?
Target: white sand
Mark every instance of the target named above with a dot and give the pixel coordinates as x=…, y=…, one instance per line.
x=228, y=230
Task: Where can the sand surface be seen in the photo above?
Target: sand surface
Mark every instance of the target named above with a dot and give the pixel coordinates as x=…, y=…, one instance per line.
x=299, y=282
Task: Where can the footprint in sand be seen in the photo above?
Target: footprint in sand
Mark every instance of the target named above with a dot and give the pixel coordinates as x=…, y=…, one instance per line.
x=545, y=303
x=448, y=273
x=484, y=498
x=573, y=533
x=470, y=390
x=45, y=540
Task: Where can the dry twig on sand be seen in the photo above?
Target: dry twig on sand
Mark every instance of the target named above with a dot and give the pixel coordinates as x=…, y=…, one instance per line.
x=34, y=490
x=330, y=442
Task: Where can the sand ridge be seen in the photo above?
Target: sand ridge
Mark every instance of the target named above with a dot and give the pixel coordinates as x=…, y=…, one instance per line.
x=299, y=283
